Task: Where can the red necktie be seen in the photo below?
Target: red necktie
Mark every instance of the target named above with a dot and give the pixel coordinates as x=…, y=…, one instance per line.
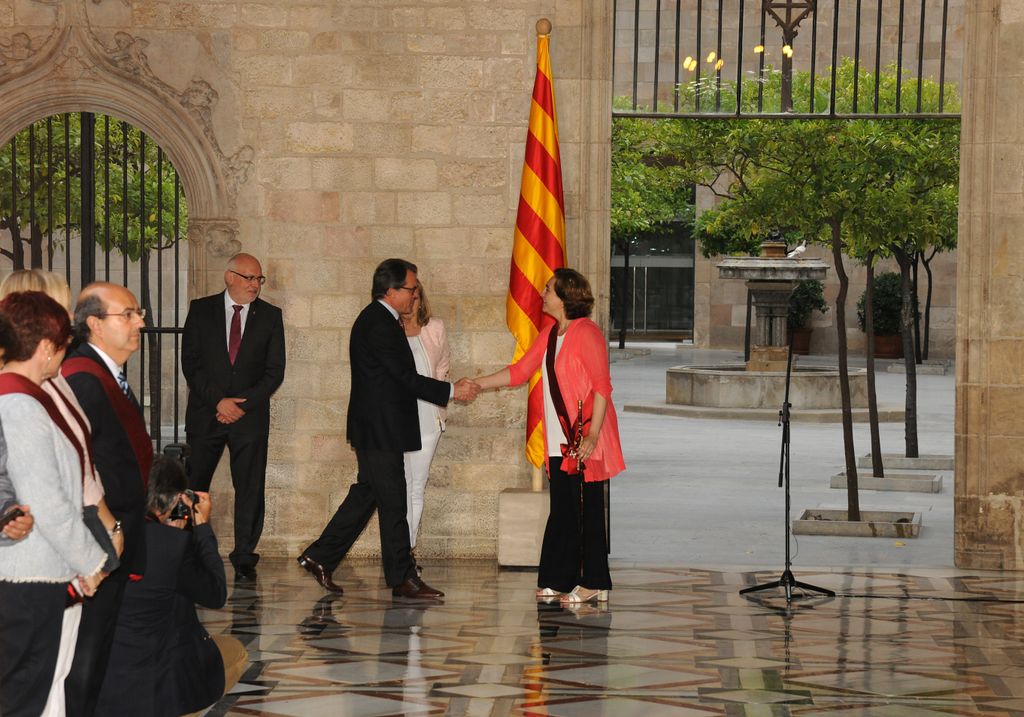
x=235, y=337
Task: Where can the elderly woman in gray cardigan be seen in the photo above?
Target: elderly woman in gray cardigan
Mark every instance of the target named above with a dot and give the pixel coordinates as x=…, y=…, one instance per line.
x=44, y=464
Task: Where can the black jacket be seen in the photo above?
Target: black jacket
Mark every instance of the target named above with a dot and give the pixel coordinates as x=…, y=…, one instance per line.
x=257, y=372
x=382, y=411
x=123, y=483
x=163, y=662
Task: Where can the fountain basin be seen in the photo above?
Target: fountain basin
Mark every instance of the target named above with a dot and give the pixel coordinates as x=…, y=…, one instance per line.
x=732, y=386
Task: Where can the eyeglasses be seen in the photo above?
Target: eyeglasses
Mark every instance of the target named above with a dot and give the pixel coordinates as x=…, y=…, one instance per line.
x=129, y=314
x=261, y=280
x=411, y=289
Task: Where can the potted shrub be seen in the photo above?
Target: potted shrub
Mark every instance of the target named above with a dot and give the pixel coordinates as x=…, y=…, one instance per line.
x=807, y=297
x=888, y=302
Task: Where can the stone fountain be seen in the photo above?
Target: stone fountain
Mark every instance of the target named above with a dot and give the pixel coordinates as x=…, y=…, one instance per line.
x=758, y=388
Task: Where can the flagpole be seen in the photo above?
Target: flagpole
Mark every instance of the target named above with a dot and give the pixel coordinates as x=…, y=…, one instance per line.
x=537, y=474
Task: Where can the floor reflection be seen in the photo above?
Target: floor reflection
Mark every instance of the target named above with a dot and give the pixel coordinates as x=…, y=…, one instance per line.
x=670, y=642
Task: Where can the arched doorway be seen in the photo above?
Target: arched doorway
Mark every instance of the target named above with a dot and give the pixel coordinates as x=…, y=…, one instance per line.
x=94, y=198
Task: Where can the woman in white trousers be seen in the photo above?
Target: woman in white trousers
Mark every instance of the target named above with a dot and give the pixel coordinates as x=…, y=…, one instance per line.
x=429, y=343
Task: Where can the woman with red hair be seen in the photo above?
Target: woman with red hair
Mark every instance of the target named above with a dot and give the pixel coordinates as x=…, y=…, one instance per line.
x=44, y=463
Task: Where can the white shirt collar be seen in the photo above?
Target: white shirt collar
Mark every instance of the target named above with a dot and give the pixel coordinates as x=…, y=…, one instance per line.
x=389, y=307
x=111, y=364
x=229, y=303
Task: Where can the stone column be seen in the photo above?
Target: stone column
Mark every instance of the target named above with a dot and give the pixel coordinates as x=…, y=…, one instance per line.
x=989, y=481
x=771, y=311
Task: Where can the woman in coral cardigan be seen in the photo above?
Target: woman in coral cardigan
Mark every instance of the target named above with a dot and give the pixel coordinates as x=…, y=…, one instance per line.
x=574, y=555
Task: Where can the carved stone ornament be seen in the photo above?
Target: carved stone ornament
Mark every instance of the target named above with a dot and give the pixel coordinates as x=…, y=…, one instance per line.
x=17, y=51
x=73, y=51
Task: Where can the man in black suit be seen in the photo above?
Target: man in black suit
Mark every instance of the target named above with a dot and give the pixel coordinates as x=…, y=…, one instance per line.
x=383, y=424
x=108, y=320
x=233, y=356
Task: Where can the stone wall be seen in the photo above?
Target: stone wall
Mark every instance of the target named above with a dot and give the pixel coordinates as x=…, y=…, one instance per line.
x=322, y=137
x=989, y=498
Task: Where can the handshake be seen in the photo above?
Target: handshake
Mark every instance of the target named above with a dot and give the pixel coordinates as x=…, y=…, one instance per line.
x=466, y=389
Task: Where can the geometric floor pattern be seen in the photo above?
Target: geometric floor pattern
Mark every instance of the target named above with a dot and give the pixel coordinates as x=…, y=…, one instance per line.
x=671, y=642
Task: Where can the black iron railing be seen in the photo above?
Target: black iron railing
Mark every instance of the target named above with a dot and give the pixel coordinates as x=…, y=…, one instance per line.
x=811, y=59
x=94, y=199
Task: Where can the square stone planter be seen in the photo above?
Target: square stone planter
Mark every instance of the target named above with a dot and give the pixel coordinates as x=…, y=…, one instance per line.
x=873, y=523
x=924, y=462
x=908, y=482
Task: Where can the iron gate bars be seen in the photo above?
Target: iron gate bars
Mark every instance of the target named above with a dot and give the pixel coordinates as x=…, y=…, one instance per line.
x=695, y=58
x=96, y=199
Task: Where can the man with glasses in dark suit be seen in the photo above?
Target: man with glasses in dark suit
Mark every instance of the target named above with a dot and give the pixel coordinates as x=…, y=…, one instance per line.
x=383, y=423
x=107, y=324
x=233, y=358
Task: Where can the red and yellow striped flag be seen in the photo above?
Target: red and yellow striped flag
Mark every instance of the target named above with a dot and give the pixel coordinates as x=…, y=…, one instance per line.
x=538, y=247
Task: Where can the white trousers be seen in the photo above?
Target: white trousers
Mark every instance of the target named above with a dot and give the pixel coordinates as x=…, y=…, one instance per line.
x=68, y=639
x=417, y=471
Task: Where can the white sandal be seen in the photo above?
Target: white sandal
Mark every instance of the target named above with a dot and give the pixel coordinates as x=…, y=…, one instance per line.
x=580, y=595
x=548, y=594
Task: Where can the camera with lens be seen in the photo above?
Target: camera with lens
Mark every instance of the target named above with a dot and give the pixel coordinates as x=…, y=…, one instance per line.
x=181, y=510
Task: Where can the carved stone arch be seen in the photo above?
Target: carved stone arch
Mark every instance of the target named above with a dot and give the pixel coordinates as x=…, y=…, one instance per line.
x=73, y=70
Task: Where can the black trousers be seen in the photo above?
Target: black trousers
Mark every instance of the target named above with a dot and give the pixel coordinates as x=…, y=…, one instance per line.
x=248, y=454
x=380, y=486
x=30, y=624
x=92, y=651
x=575, y=547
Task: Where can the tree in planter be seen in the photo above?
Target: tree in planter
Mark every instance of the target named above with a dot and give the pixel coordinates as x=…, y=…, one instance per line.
x=807, y=178
x=808, y=296
x=878, y=314
x=911, y=208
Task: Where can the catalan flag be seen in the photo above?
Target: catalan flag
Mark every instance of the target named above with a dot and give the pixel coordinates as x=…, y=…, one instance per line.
x=538, y=246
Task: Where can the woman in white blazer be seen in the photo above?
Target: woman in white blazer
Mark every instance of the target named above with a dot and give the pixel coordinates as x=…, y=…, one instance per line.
x=429, y=343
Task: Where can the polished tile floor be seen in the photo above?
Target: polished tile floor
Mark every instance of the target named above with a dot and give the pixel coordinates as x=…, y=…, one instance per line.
x=672, y=641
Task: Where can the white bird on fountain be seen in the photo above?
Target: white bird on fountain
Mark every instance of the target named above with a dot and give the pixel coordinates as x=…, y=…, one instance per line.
x=798, y=252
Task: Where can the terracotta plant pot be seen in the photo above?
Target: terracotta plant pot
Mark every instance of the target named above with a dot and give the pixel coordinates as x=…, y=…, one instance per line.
x=889, y=347
x=802, y=341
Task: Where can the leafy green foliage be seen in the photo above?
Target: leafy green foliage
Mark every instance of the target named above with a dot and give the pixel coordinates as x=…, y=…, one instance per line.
x=130, y=173
x=648, y=188
x=886, y=302
x=808, y=296
x=876, y=182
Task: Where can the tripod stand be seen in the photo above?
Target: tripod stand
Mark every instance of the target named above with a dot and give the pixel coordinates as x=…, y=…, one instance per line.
x=786, y=580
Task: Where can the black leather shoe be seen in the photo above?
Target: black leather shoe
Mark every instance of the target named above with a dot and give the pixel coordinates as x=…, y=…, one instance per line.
x=245, y=574
x=320, y=574
x=415, y=588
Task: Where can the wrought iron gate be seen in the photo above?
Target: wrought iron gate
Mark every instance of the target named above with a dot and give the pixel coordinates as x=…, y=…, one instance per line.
x=94, y=199
x=713, y=58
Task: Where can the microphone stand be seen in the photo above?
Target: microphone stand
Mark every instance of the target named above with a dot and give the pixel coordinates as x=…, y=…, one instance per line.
x=786, y=580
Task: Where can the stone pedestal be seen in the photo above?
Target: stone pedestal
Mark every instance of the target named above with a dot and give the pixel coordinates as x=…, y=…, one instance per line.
x=521, y=518
x=771, y=311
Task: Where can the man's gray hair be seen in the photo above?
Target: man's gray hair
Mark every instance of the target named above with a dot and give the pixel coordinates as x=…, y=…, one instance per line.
x=90, y=305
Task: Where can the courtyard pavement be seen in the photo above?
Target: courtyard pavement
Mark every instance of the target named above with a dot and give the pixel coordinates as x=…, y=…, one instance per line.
x=704, y=492
x=696, y=516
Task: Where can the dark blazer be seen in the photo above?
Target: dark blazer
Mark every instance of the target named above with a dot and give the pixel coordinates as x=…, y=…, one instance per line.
x=257, y=372
x=124, y=485
x=382, y=411
x=163, y=661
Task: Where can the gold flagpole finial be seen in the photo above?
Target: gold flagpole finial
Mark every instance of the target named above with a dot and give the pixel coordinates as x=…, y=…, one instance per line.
x=543, y=26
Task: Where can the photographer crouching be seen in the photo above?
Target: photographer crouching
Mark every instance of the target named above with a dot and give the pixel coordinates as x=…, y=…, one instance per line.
x=163, y=662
